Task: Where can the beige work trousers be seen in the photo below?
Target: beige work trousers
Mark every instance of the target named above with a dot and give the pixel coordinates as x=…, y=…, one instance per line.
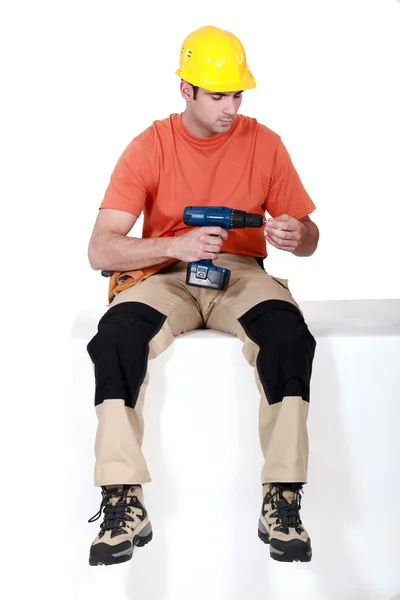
x=282, y=426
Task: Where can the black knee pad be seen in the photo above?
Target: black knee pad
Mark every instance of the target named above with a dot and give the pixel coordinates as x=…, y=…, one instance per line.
x=120, y=350
x=287, y=349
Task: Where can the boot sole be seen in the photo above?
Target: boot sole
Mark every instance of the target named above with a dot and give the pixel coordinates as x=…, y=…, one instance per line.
x=102, y=556
x=292, y=551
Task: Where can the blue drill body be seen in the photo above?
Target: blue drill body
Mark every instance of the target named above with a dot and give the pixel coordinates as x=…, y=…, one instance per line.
x=208, y=216
x=204, y=273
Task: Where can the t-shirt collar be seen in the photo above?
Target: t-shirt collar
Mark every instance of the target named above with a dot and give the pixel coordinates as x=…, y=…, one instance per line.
x=203, y=142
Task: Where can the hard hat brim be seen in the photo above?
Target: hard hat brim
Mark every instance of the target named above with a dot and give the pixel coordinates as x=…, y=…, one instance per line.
x=247, y=83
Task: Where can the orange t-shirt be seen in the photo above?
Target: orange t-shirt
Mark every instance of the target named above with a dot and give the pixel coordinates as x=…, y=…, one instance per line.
x=165, y=168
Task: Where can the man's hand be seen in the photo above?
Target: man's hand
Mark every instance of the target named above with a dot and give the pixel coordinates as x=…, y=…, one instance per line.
x=285, y=233
x=198, y=244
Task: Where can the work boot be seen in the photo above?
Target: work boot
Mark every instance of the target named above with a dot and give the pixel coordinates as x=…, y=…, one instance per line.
x=125, y=525
x=280, y=524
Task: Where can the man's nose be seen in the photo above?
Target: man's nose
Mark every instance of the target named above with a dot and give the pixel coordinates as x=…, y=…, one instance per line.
x=229, y=106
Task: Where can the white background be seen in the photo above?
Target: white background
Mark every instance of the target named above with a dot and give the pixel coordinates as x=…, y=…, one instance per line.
x=79, y=80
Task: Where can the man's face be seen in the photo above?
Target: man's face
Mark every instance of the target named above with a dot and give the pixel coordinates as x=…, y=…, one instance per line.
x=215, y=112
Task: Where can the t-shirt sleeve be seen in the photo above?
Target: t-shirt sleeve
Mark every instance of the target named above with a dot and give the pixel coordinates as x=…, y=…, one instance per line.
x=287, y=194
x=129, y=182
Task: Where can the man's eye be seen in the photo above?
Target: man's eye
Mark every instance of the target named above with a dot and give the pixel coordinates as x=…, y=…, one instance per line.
x=238, y=97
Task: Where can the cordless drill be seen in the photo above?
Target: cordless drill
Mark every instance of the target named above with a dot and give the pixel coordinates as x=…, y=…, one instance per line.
x=204, y=273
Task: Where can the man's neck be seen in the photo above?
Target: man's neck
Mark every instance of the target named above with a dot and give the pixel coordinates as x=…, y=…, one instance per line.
x=195, y=128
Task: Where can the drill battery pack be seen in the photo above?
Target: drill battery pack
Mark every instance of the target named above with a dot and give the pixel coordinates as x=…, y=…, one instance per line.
x=207, y=275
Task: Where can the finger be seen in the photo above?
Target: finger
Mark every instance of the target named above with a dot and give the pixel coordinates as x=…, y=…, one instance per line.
x=284, y=235
x=281, y=244
x=270, y=241
x=210, y=255
x=213, y=249
x=283, y=249
x=281, y=225
x=215, y=231
x=213, y=241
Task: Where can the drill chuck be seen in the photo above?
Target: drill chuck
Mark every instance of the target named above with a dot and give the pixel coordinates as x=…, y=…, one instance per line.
x=241, y=219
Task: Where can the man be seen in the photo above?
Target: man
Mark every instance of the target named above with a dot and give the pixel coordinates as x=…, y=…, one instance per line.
x=206, y=156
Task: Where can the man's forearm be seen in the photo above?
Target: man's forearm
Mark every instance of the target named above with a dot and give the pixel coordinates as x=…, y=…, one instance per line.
x=115, y=252
x=310, y=242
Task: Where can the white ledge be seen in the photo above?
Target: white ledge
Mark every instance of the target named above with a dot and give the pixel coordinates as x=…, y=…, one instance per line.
x=325, y=318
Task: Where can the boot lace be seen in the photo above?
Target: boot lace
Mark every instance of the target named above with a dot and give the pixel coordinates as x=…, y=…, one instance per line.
x=287, y=514
x=115, y=515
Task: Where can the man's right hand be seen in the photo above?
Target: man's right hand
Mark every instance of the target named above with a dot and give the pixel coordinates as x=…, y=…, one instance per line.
x=199, y=244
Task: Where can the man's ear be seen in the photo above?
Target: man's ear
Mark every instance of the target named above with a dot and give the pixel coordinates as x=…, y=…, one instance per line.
x=186, y=91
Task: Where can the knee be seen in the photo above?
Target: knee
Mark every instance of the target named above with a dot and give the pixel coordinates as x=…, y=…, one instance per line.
x=125, y=325
x=286, y=348
x=120, y=350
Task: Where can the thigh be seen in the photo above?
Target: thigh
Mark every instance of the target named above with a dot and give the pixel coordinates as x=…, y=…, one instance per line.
x=249, y=285
x=166, y=292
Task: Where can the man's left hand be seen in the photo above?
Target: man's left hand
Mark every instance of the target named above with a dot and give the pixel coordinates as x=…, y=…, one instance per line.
x=285, y=233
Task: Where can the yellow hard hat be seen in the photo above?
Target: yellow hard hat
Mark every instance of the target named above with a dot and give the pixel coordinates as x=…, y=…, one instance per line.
x=214, y=59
